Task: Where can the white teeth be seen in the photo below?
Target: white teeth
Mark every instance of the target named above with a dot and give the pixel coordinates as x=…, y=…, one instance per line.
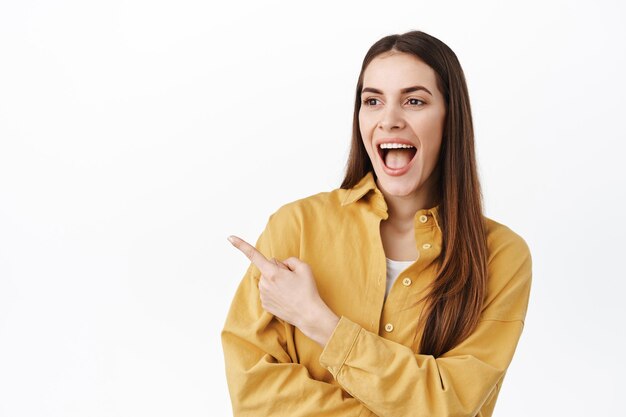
x=395, y=146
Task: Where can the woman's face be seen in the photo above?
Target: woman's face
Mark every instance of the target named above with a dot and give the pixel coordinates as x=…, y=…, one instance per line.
x=401, y=106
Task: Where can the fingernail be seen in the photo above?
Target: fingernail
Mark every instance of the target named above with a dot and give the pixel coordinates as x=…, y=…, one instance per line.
x=231, y=239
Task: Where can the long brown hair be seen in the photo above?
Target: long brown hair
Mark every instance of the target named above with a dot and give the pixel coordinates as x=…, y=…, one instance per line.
x=453, y=302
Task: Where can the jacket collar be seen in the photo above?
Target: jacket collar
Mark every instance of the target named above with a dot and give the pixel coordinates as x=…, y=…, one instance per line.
x=367, y=184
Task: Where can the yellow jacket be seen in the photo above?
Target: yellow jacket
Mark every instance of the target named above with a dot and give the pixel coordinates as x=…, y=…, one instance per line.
x=370, y=366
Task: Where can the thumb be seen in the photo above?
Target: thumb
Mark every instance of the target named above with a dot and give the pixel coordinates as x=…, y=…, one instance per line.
x=279, y=264
x=293, y=263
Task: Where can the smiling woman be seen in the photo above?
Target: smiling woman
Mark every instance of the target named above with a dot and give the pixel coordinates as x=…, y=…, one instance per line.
x=321, y=325
x=415, y=111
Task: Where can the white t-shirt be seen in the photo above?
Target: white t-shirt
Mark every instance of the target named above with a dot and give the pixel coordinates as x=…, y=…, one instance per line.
x=394, y=268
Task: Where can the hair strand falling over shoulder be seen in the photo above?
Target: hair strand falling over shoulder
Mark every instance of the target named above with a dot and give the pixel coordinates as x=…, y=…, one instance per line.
x=454, y=300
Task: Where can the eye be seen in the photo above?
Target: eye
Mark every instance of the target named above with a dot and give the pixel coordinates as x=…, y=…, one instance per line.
x=413, y=102
x=370, y=101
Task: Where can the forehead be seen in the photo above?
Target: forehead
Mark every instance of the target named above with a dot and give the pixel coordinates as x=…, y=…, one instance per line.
x=398, y=70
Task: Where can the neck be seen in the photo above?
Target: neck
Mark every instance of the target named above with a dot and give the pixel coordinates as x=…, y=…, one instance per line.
x=402, y=209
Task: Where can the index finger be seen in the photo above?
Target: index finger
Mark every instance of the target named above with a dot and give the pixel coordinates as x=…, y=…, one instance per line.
x=266, y=267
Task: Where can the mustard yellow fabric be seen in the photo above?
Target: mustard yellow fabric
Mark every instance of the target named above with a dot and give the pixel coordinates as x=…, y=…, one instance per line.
x=370, y=366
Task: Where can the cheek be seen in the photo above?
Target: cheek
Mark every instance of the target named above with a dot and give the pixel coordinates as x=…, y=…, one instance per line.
x=432, y=147
x=366, y=136
x=432, y=153
x=429, y=131
x=429, y=128
x=365, y=125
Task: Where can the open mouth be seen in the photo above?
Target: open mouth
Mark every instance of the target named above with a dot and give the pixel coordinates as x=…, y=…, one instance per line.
x=396, y=156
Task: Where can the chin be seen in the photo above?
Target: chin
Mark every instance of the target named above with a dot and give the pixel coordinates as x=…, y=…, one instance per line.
x=396, y=186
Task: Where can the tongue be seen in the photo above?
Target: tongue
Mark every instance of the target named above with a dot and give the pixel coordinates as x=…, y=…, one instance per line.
x=398, y=158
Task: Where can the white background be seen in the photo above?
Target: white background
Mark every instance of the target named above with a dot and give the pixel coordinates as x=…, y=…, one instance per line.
x=135, y=136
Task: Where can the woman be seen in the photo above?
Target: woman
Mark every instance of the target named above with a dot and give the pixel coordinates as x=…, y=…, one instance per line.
x=392, y=295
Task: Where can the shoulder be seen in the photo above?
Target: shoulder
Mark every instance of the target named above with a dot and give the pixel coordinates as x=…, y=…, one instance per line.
x=299, y=219
x=309, y=207
x=503, y=241
x=509, y=269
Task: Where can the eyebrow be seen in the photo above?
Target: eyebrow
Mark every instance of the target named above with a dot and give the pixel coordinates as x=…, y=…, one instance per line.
x=403, y=91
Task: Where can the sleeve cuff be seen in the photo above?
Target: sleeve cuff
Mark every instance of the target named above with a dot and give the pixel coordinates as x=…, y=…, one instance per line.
x=339, y=345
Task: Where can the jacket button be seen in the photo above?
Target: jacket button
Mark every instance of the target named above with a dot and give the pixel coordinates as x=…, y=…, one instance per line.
x=423, y=218
x=389, y=327
x=406, y=281
x=426, y=245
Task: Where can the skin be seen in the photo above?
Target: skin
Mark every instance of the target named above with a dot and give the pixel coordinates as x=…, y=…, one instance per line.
x=418, y=117
x=287, y=289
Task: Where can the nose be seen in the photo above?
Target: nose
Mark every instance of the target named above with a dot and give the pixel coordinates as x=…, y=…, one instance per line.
x=391, y=118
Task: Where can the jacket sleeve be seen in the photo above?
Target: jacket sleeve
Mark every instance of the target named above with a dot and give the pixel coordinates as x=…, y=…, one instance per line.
x=264, y=378
x=391, y=380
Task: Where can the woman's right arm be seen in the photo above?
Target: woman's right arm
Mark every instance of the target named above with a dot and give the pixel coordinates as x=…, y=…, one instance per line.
x=264, y=378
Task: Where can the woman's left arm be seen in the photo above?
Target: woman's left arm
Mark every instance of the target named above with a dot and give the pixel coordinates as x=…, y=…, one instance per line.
x=391, y=380
x=388, y=377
